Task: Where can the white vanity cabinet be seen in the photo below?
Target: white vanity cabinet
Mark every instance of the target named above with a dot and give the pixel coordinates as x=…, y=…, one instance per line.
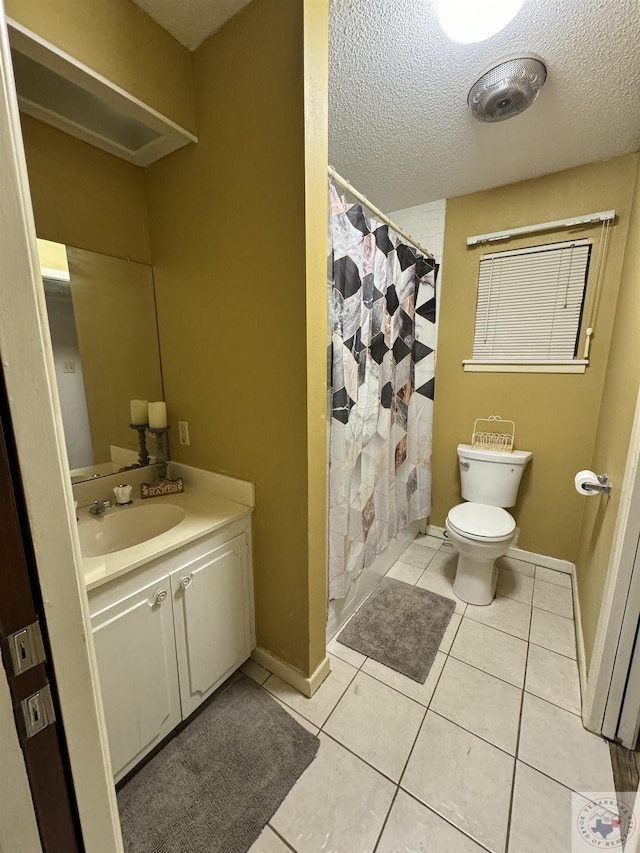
x=167, y=634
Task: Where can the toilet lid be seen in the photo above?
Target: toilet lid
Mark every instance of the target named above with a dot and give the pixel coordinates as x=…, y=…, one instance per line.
x=480, y=521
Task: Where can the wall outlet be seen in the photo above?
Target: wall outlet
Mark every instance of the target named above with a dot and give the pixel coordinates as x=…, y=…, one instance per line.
x=183, y=432
x=69, y=367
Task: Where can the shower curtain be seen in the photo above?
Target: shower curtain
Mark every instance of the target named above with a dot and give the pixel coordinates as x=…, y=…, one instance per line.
x=381, y=363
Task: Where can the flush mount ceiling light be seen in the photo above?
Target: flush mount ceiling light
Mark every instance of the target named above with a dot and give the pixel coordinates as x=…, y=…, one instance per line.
x=507, y=88
x=470, y=21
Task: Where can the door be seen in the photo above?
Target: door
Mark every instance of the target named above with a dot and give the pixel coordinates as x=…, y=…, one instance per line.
x=29, y=673
x=212, y=618
x=134, y=641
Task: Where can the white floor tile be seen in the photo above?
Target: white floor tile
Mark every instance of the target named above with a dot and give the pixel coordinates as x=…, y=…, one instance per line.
x=421, y=693
x=551, y=576
x=404, y=572
x=463, y=778
x=505, y=614
x=480, y=703
x=450, y=633
x=553, y=677
x=418, y=555
x=377, y=723
x=335, y=647
x=339, y=804
x=324, y=700
x=447, y=547
x=430, y=541
x=443, y=585
x=413, y=827
x=299, y=719
x=254, y=671
x=268, y=842
x=495, y=652
x=514, y=565
x=541, y=818
x=555, y=599
x=553, y=632
x=444, y=563
x=553, y=741
x=514, y=585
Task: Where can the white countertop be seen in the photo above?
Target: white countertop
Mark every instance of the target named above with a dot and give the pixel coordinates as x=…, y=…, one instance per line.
x=205, y=513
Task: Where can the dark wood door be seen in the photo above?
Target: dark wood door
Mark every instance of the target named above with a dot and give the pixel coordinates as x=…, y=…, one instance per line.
x=45, y=751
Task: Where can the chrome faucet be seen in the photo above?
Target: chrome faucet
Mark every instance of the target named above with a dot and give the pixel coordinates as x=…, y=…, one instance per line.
x=99, y=507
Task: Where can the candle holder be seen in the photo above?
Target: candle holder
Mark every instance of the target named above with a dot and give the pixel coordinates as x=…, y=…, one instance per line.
x=162, y=455
x=143, y=453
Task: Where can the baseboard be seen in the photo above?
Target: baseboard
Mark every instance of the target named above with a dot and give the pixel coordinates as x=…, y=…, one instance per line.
x=307, y=685
x=577, y=617
x=518, y=554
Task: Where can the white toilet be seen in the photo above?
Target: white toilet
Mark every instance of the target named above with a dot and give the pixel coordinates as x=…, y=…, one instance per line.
x=479, y=529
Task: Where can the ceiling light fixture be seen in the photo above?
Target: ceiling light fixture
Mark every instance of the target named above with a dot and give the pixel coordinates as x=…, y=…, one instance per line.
x=470, y=21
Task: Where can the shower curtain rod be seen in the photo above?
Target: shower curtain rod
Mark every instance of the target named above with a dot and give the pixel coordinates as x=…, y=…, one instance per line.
x=344, y=183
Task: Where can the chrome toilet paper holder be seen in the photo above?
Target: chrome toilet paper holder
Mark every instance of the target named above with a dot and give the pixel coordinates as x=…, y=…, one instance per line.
x=603, y=485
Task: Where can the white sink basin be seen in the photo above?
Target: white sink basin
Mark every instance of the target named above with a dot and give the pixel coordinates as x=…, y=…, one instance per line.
x=123, y=527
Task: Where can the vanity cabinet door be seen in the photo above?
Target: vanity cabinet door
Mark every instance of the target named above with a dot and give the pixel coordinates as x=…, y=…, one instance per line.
x=134, y=640
x=212, y=619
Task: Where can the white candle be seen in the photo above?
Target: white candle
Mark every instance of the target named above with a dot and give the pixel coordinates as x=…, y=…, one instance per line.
x=139, y=411
x=157, y=415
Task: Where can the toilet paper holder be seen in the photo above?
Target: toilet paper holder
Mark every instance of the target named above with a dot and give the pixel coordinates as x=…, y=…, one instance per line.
x=603, y=485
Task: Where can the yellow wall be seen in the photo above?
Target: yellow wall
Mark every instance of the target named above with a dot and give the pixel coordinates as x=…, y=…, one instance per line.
x=83, y=196
x=228, y=233
x=622, y=383
x=53, y=256
x=555, y=415
x=120, y=42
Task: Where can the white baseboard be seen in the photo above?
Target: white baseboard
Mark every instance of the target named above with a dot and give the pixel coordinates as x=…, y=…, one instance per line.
x=577, y=616
x=307, y=685
x=518, y=554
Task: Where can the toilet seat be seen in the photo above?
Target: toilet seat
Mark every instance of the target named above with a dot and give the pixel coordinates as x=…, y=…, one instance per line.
x=481, y=522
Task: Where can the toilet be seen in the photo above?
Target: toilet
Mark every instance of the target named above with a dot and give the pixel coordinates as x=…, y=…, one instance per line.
x=480, y=529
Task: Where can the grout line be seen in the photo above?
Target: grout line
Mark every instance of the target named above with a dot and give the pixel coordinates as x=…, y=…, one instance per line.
x=562, y=655
x=281, y=837
x=553, y=779
x=360, y=758
x=387, y=816
x=555, y=704
x=515, y=763
x=474, y=734
x=486, y=672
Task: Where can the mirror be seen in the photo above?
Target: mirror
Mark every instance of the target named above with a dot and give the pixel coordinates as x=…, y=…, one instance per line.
x=102, y=318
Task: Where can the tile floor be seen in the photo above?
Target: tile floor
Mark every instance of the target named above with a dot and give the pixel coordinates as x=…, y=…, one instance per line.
x=483, y=756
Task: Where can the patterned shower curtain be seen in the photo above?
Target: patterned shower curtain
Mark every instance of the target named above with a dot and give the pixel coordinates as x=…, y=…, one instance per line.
x=381, y=361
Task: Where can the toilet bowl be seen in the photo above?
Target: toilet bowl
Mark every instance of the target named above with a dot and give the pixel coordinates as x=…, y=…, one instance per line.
x=480, y=534
x=480, y=529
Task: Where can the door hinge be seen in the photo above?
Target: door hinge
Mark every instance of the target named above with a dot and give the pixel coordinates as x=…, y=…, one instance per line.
x=24, y=649
x=35, y=713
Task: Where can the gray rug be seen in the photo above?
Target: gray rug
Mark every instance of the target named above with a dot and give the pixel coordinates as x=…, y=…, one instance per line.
x=217, y=784
x=400, y=626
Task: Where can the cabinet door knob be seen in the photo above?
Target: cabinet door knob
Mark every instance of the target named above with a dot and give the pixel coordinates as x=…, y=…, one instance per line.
x=160, y=596
x=184, y=583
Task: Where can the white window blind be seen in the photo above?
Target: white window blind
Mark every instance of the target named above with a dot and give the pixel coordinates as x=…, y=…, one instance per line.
x=530, y=302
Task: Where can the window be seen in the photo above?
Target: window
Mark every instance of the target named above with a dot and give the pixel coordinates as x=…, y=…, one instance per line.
x=529, y=308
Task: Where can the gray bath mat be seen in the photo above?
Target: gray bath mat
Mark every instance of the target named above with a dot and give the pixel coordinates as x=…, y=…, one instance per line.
x=400, y=626
x=215, y=786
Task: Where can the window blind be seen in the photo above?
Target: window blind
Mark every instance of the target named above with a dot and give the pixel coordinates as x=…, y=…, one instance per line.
x=530, y=302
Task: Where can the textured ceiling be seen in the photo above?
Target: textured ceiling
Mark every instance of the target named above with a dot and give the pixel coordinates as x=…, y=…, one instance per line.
x=191, y=21
x=399, y=127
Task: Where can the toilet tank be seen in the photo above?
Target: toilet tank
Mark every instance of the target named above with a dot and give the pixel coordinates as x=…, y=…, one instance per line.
x=490, y=476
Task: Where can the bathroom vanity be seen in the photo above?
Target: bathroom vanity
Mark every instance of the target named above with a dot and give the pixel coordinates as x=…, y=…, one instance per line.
x=172, y=617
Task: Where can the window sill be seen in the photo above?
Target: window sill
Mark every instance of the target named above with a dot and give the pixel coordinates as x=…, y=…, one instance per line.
x=573, y=365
